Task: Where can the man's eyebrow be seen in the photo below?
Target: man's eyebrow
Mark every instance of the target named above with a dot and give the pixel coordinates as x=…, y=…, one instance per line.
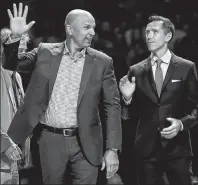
x=152, y=29
x=90, y=24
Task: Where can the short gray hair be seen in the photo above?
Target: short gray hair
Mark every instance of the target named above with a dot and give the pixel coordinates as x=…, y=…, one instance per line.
x=168, y=26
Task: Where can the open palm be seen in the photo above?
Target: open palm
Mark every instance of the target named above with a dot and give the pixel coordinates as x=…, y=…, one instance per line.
x=127, y=88
x=18, y=24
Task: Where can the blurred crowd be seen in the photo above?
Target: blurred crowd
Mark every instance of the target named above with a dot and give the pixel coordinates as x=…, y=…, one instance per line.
x=120, y=25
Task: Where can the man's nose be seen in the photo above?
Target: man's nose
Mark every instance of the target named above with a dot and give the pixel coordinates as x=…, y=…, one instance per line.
x=149, y=36
x=92, y=32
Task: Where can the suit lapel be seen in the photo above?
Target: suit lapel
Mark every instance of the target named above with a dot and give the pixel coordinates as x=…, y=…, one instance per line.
x=171, y=70
x=57, y=53
x=149, y=75
x=87, y=69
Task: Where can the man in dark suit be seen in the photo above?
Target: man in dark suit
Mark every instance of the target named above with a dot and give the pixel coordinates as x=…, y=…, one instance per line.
x=162, y=91
x=69, y=80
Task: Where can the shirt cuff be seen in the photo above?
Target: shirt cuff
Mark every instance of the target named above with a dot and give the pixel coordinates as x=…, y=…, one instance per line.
x=113, y=149
x=127, y=102
x=182, y=127
x=12, y=40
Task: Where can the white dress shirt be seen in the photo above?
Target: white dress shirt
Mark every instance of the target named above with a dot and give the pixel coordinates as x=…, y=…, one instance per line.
x=165, y=63
x=62, y=109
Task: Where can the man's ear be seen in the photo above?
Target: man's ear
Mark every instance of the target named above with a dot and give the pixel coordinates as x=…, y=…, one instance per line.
x=69, y=29
x=169, y=36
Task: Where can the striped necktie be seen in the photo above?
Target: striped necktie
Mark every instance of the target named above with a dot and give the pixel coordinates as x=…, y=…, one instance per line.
x=17, y=91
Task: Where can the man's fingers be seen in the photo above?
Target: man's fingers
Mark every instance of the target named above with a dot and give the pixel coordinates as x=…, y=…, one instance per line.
x=10, y=156
x=168, y=129
x=125, y=77
x=10, y=14
x=9, y=153
x=25, y=12
x=123, y=80
x=133, y=79
x=20, y=9
x=103, y=166
x=15, y=155
x=108, y=170
x=14, y=152
x=112, y=170
x=115, y=168
x=110, y=175
x=170, y=136
x=15, y=10
x=168, y=133
x=30, y=25
x=19, y=150
x=170, y=119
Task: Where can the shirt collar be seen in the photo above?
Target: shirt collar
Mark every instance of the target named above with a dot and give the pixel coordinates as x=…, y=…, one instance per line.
x=67, y=52
x=166, y=58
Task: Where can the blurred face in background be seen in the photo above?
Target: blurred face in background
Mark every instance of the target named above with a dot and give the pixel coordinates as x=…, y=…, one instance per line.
x=82, y=30
x=5, y=34
x=156, y=36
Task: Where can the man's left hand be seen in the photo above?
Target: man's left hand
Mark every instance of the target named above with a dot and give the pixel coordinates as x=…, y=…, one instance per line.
x=111, y=162
x=171, y=131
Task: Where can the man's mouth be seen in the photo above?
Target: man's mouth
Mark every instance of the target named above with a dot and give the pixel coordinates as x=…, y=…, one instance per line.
x=89, y=39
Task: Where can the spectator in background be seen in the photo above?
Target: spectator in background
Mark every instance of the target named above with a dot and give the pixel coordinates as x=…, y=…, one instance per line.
x=11, y=98
x=10, y=152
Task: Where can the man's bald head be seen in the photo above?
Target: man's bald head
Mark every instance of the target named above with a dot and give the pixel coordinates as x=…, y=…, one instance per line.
x=79, y=28
x=74, y=14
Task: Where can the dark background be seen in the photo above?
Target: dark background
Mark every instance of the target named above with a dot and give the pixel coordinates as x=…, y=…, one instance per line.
x=120, y=28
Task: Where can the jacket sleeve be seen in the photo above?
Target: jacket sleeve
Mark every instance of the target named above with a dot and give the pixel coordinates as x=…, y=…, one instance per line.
x=112, y=109
x=192, y=88
x=15, y=61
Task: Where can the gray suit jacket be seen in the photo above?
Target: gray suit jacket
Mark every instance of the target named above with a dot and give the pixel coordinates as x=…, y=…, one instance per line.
x=98, y=85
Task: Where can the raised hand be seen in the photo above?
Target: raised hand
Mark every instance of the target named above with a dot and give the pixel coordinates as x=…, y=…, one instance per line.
x=18, y=24
x=127, y=88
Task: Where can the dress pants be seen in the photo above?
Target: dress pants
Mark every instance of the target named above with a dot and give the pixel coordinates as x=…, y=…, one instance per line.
x=160, y=168
x=57, y=153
